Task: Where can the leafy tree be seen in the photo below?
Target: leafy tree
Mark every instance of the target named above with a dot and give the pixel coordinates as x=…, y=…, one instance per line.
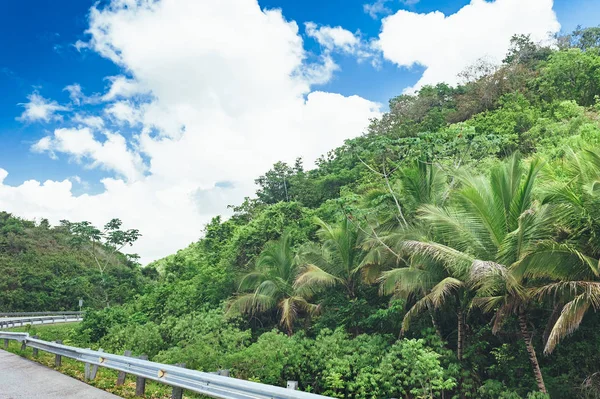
x=570, y=75
x=104, y=245
x=583, y=38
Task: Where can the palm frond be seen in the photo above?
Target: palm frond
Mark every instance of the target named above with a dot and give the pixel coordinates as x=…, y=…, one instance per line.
x=555, y=260
x=312, y=279
x=569, y=320
x=405, y=281
x=456, y=261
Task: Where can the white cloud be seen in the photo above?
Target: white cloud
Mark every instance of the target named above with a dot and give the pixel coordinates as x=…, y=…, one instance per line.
x=92, y=121
x=446, y=45
x=231, y=95
x=80, y=144
x=40, y=109
x=75, y=93
x=332, y=38
x=377, y=8
x=120, y=86
x=340, y=40
x=124, y=112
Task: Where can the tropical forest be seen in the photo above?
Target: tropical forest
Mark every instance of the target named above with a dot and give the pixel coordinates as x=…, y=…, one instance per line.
x=450, y=251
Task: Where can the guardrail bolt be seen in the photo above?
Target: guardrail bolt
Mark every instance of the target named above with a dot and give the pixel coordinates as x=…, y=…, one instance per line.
x=178, y=392
x=292, y=385
x=122, y=374
x=35, y=350
x=140, y=382
x=58, y=358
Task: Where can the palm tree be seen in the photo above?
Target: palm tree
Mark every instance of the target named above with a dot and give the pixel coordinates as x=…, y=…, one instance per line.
x=271, y=286
x=570, y=262
x=492, y=224
x=428, y=284
x=432, y=286
x=338, y=261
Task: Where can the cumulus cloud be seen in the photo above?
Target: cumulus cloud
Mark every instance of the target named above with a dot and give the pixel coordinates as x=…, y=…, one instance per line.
x=111, y=154
x=40, y=109
x=121, y=86
x=231, y=93
x=332, y=38
x=446, y=45
x=340, y=40
x=124, y=112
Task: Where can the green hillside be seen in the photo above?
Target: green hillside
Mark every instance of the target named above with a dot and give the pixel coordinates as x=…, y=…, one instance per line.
x=449, y=252
x=44, y=268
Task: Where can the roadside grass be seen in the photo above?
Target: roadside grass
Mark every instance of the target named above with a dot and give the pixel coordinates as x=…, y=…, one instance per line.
x=105, y=378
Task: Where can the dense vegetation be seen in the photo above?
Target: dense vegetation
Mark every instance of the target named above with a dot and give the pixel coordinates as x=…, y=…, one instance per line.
x=51, y=268
x=450, y=251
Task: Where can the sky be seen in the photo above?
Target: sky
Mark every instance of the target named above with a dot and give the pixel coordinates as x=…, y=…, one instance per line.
x=163, y=112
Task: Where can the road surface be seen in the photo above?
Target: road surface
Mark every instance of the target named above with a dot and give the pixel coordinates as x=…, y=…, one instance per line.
x=22, y=378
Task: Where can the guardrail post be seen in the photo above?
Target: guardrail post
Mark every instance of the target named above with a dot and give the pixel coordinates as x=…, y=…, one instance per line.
x=6, y=344
x=23, y=345
x=58, y=358
x=86, y=372
x=95, y=368
x=140, y=382
x=292, y=385
x=178, y=392
x=35, y=350
x=224, y=373
x=122, y=374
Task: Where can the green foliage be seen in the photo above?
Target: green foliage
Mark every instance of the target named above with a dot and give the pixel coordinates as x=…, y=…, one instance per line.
x=41, y=270
x=142, y=338
x=570, y=75
x=410, y=369
x=428, y=220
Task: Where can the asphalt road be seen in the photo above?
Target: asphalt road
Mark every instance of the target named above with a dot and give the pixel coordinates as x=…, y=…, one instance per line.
x=22, y=378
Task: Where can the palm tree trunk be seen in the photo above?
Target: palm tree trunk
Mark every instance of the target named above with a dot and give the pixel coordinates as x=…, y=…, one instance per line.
x=436, y=326
x=461, y=333
x=537, y=372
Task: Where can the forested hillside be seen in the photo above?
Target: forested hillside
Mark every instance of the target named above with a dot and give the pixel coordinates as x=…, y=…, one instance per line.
x=44, y=268
x=450, y=251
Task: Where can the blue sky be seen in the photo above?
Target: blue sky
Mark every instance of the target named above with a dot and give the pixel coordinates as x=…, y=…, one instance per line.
x=37, y=48
x=39, y=56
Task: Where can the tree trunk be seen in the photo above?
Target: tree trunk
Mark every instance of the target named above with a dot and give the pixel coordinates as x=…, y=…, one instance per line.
x=461, y=333
x=436, y=326
x=531, y=352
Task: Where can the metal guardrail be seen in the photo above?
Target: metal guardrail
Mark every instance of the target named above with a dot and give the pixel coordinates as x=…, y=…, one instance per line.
x=213, y=385
x=57, y=313
x=10, y=322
